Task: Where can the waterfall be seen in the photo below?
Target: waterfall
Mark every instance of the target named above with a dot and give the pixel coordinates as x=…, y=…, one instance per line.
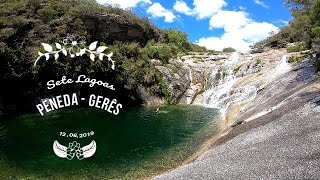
x=190, y=76
x=218, y=94
x=221, y=93
x=282, y=67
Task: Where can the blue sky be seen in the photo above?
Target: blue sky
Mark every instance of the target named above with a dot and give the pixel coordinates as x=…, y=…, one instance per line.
x=215, y=24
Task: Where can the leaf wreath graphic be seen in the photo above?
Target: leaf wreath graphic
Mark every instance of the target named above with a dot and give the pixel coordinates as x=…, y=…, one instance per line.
x=74, y=149
x=75, y=50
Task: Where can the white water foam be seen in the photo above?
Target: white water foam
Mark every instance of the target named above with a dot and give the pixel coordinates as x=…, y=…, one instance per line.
x=217, y=95
x=222, y=94
x=282, y=67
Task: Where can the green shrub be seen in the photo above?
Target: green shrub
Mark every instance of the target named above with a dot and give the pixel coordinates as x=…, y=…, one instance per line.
x=49, y=21
x=315, y=31
x=47, y=14
x=229, y=49
x=150, y=77
x=236, y=69
x=172, y=68
x=165, y=89
x=294, y=48
x=294, y=59
x=161, y=51
x=179, y=38
x=259, y=62
x=165, y=53
x=224, y=73
x=126, y=49
x=6, y=32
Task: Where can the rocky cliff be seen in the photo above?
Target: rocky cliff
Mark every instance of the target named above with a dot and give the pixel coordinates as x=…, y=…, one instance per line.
x=112, y=27
x=186, y=77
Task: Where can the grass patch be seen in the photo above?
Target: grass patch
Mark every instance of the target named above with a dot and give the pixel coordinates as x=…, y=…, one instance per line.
x=200, y=60
x=236, y=69
x=224, y=73
x=295, y=59
x=295, y=48
x=259, y=62
x=172, y=68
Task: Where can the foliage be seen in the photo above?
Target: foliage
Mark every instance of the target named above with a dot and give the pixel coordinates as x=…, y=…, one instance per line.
x=295, y=59
x=229, y=49
x=304, y=28
x=295, y=48
x=33, y=22
x=180, y=40
x=165, y=89
x=172, y=68
x=299, y=4
x=259, y=62
x=160, y=51
x=236, y=69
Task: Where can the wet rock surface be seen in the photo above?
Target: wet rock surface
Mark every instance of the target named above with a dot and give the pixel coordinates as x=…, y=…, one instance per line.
x=187, y=77
x=275, y=136
x=200, y=68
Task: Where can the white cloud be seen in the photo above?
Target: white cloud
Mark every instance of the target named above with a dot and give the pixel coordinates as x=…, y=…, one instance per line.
x=257, y=31
x=124, y=4
x=207, y=8
x=261, y=3
x=181, y=7
x=157, y=10
x=202, y=8
x=239, y=31
x=216, y=43
x=229, y=20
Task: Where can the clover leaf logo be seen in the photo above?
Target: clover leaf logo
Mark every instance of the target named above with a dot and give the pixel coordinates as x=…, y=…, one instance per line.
x=73, y=47
x=74, y=149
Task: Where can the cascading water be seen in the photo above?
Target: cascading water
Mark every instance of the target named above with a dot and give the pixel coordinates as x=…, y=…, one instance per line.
x=222, y=92
x=217, y=96
x=282, y=67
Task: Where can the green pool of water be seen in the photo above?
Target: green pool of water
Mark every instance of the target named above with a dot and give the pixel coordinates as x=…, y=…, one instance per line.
x=137, y=143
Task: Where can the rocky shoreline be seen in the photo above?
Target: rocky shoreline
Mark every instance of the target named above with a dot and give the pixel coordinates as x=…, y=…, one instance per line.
x=273, y=135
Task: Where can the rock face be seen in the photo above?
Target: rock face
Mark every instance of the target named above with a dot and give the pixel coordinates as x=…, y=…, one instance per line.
x=149, y=100
x=112, y=27
x=177, y=78
x=275, y=136
x=200, y=67
x=236, y=80
x=186, y=77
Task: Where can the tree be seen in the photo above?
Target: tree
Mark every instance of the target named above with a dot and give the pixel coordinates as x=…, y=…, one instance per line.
x=306, y=17
x=300, y=4
x=303, y=29
x=229, y=49
x=180, y=39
